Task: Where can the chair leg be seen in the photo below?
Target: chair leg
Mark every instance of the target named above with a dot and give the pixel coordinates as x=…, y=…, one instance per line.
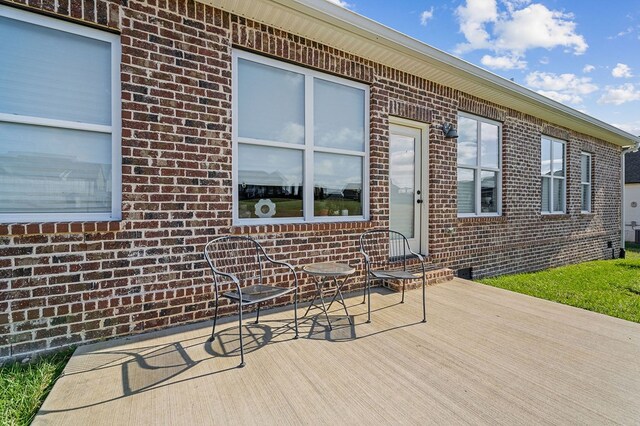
x=368, y=288
x=215, y=319
x=403, y=285
x=364, y=290
x=240, y=332
x=295, y=312
x=258, y=315
x=424, y=300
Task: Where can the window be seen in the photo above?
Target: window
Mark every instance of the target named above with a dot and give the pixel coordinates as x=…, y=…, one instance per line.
x=552, y=169
x=59, y=120
x=585, y=182
x=301, y=151
x=479, y=174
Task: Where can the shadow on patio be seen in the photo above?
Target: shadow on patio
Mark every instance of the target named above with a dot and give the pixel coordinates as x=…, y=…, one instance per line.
x=485, y=356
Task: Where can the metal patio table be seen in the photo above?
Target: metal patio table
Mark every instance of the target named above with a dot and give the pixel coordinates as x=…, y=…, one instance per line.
x=325, y=273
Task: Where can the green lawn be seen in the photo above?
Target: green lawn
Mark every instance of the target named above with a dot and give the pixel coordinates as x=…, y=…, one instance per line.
x=23, y=387
x=611, y=287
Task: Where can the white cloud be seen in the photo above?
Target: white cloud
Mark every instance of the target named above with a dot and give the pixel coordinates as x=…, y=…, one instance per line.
x=621, y=71
x=629, y=30
x=472, y=19
x=620, y=94
x=426, y=16
x=503, y=62
x=566, y=88
x=341, y=3
x=536, y=26
x=588, y=68
x=633, y=128
x=511, y=32
x=544, y=60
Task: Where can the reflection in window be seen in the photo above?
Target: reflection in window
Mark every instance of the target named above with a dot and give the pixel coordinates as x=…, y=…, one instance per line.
x=49, y=170
x=338, y=115
x=270, y=103
x=402, y=174
x=337, y=185
x=478, y=169
x=269, y=182
x=552, y=169
x=489, y=192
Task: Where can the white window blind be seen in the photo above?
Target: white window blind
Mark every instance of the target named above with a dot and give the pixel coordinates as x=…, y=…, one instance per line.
x=59, y=120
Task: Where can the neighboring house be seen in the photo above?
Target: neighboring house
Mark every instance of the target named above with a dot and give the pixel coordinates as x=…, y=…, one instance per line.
x=177, y=104
x=632, y=196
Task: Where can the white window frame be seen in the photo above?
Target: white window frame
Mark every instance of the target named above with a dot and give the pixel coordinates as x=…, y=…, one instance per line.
x=478, y=168
x=114, y=129
x=307, y=148
x=588, y=184
x=552, y=177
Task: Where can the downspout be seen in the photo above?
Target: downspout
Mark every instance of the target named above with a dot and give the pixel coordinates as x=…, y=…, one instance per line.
x=622, y=203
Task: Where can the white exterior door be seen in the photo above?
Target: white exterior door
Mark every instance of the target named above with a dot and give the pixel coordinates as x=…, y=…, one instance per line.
x=407, y=199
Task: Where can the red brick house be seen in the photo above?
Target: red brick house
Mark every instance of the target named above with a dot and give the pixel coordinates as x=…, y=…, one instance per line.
x=131, y=132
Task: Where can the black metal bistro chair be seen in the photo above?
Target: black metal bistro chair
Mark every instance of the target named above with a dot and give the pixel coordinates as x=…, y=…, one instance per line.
x=386, y=257
x=240, y=267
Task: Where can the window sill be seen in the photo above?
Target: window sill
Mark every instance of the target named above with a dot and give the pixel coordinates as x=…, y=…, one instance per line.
x=238, y=229
x=555, y=216
x=482, y=219
x=18, y=229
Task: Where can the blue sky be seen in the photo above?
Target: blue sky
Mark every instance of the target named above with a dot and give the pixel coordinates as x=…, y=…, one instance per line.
x=583, y=53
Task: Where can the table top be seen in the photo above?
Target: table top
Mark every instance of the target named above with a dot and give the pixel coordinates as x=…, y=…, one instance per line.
x=328, y=269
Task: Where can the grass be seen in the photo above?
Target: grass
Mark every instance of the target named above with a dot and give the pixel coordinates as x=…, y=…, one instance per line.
x=23, y=387
x=610, y=287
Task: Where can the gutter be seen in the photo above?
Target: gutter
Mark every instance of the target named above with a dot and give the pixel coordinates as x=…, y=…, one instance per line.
x=622, y=200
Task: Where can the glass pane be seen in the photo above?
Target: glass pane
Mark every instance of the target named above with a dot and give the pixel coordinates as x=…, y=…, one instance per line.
x=337, y=187
x=270, y=103
x=489, y=192
x=558, y=159
x=466, y=191
x=49, y=170
x=586, y=198
x=338, y=115
x=585, y=161
x=546, y=182
x=54, y=74
x=489, y=145
x=558, y=195
x=545, y=157
x=402, y=184
x=269, y=182
x=467, y=141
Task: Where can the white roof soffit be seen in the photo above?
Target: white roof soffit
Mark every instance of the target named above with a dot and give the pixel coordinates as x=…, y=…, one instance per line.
x=345, y=30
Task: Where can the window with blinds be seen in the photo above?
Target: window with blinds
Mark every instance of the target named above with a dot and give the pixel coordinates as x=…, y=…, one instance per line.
x=59, y=120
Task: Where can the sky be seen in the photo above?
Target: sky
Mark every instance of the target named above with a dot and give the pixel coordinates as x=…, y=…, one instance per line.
x=582, y=53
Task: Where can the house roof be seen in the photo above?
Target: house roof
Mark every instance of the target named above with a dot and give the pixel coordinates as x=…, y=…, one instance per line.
x=346, y=30
x=632, y=167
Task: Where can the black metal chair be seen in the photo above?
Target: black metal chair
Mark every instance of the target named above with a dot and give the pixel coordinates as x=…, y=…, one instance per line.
x=386, y=255
x=238, y=266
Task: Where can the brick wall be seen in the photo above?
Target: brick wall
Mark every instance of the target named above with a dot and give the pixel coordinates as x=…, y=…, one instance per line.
x=65, y=283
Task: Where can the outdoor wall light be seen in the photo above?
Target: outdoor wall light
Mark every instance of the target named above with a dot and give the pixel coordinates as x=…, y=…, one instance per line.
x=448, y=130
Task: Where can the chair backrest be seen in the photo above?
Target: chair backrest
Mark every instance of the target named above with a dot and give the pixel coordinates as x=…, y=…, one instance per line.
x=240, y=256
x=385, y=248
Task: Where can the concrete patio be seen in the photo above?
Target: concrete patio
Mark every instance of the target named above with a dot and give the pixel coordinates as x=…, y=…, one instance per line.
x=486, y=356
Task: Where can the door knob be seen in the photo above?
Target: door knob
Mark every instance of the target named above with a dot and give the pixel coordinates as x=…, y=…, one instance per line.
x=419, y=201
